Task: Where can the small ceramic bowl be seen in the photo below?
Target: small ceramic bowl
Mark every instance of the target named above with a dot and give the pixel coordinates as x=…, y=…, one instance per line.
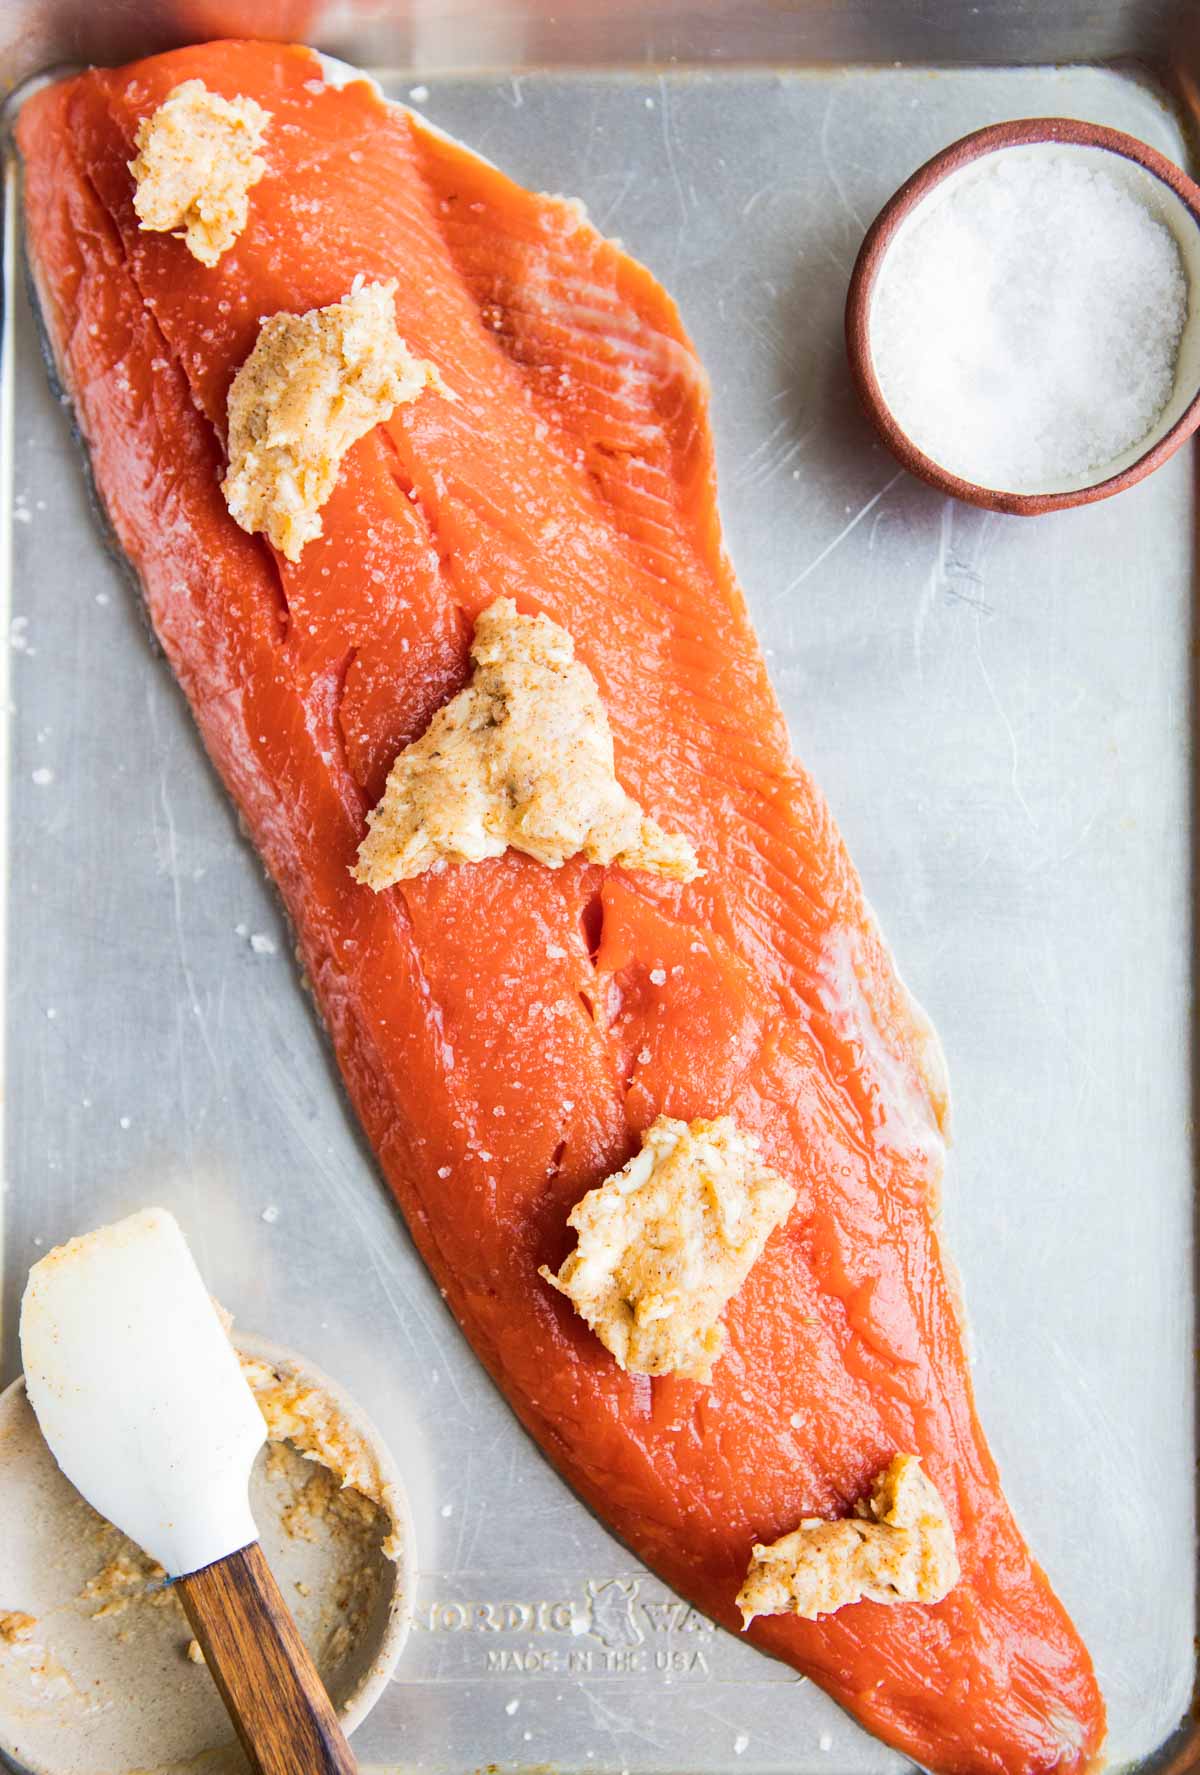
x=98, y=1671
x=1169, y=194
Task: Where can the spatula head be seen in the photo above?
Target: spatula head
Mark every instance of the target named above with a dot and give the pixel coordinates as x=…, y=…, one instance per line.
x=139, y=1392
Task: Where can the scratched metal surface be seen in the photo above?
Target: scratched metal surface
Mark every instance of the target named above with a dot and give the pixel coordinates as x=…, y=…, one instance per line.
x=999, y=712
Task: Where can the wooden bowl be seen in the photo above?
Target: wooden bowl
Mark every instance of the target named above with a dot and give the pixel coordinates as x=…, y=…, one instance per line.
x=1174, y=198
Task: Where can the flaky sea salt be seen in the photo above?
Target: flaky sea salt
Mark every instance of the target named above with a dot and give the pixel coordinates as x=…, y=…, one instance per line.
x=1026, y=321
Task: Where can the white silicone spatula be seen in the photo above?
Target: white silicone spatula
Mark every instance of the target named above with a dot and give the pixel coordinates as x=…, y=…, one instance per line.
x=141, y=1398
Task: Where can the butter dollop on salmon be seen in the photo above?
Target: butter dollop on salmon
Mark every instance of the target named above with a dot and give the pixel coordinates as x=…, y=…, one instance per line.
x=666, y=1242
x=16, y=1627
x=898, y=1547
x=197, y=160
x=312, y=386
x=522, y=757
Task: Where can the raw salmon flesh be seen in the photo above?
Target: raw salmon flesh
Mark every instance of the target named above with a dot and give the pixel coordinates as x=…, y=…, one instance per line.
x=504, y=1029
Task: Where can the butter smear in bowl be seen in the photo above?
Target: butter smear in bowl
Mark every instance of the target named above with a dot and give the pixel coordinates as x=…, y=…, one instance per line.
x=99, y=1672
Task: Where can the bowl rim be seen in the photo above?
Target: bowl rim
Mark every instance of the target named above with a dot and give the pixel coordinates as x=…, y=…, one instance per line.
x=874, y=249
x=403, y=1570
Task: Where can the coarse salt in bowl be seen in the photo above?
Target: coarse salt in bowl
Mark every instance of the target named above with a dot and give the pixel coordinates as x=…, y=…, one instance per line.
x=1023, y=320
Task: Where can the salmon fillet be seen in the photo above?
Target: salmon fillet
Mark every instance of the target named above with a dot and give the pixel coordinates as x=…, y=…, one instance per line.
x=506, y=1030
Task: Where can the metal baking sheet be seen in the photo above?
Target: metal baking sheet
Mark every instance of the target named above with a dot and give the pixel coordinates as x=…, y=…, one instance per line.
x=999, y=711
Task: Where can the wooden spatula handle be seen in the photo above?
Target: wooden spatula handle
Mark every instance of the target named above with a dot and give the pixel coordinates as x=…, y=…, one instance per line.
x=267, y=1680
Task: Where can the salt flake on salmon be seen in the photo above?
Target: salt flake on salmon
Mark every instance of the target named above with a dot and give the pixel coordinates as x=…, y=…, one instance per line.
x=522, y=757
x=196, y=164
x=897, y=1547
x=665, y=1244
x=314, y=385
